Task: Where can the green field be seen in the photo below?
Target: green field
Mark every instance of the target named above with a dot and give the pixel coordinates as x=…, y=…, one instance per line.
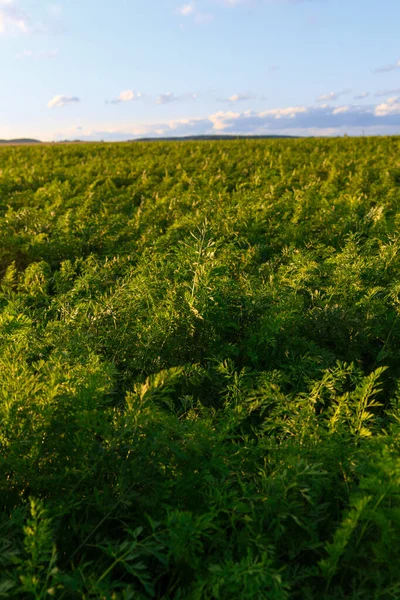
x=200, y=370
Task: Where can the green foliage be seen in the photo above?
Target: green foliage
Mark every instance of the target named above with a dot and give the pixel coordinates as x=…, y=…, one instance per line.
x=199, y=375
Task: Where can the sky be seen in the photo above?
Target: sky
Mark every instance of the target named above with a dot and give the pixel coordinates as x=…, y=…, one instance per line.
x=123, y=69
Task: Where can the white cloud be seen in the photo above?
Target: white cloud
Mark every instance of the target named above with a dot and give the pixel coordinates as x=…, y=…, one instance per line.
x=390, y=107
x=59, y=101
x=220, y=120
x=388, y=68
x=127, y=96
x=279, y=113
x=332, y=96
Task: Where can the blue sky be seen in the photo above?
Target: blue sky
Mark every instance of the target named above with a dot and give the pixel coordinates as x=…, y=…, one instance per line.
x=102, y=69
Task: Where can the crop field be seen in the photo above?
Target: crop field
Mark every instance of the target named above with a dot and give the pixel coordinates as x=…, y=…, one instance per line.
x=200, y=370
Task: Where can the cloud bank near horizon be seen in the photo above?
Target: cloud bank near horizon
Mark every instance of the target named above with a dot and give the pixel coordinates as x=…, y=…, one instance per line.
x=353, y=119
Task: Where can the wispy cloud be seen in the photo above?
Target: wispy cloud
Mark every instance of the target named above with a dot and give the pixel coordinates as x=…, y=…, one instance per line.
x=60, y=100
x=169, y=97
x=387, y=68
x=340, y=110
x=55, y=9
x=201, y=18
x=191, y=10
x=13, y=18
x=382, y=93
x=234, y=3
x=361, y=96
x=38, y=55
x=238, y=98
x=332, y=96
x=186, y=9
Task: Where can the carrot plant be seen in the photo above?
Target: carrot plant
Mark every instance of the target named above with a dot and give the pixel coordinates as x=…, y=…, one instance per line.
x=199, y=375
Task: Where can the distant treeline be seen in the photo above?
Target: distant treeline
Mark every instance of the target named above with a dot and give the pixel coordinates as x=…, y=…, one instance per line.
x=212, y=137
x=161, y=139
x=20, y=141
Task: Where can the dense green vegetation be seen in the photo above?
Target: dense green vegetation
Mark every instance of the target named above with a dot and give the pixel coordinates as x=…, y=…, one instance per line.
x=200, y=376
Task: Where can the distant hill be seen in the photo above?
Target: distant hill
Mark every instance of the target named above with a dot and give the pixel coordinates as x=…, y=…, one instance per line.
x=211, y=137
x=27, y=141
x=20, y=141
